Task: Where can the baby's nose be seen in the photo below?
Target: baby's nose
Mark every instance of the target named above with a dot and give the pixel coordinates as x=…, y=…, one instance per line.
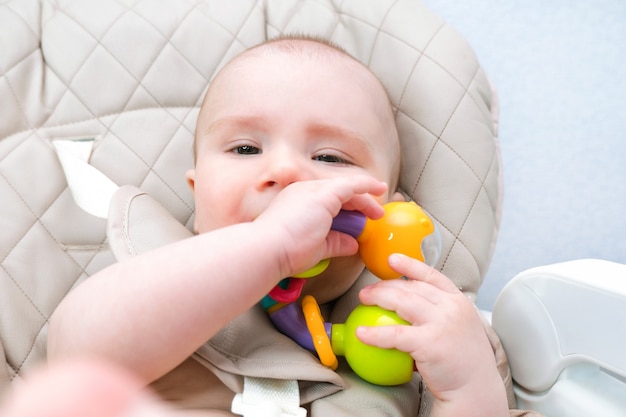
x=281, y=175
x=284, y=168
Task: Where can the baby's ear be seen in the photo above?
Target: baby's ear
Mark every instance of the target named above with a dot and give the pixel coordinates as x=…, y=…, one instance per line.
x=190, y=176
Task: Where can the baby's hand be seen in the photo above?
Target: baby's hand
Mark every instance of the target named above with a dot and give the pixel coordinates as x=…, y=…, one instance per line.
x=301, y=216
x=446, y=339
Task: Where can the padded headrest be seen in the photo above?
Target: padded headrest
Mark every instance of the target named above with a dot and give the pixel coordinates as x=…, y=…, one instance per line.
x=131, y=75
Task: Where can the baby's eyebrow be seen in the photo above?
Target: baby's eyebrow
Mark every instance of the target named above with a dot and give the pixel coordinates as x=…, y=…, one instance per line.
x=337, y=132
x=248, y=122
x=327, y=131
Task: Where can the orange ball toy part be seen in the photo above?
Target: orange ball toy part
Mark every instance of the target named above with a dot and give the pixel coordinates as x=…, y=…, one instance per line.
x=401, y=230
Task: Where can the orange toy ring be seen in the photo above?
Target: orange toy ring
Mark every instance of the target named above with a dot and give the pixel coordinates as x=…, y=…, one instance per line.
x=315, y=324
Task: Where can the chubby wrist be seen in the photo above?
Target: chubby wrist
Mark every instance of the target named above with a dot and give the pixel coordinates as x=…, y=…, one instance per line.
x=269, y=246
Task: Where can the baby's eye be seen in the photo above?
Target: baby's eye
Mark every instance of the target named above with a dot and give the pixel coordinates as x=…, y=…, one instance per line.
x=333, y=159
x=247, y=150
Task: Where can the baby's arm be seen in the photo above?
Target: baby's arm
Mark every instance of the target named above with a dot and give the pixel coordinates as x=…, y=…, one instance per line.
x=447, y=339
x=150, y=312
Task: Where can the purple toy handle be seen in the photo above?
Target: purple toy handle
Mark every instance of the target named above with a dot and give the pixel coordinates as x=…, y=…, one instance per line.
x=291, y=322
x=349, y=222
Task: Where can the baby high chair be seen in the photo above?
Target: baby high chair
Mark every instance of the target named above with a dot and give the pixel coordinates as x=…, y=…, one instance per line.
x=118, y=86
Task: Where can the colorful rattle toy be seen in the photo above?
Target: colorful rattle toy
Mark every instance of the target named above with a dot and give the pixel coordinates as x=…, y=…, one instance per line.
x=405, y=228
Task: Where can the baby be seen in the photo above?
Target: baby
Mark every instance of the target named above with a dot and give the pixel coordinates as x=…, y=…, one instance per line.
x=290, y=132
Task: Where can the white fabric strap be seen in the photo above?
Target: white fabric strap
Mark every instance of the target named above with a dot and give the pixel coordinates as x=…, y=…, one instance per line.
x=268, y=397
x=91, y=189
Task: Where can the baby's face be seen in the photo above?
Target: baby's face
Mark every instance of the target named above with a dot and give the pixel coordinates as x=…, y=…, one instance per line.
x=274, y=119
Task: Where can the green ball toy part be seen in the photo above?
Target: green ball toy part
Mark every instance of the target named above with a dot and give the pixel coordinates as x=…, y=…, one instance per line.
x=373, y=364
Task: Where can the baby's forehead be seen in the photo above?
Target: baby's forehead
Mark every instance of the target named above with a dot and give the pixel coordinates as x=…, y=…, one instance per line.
x=307, y=57
x=316, y=59
x=302, y=52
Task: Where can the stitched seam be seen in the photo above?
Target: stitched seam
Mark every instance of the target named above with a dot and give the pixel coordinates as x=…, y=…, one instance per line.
x=235, y=36
x=40, y=223
x=338, y=18
x=294, y=11
x=446, y=124
x=17, y=144
x=102, y=116
x=425, y=51
x=34, y=33
x=378, y=32
x=24, y=293
x=417, y=61
x=267, y=25
x=125, y=222
x=13, y=93
x=86, y=57
x=150, y=167
x=155, y=173
x=481, y=180
x=37, y=217
x=18, y=367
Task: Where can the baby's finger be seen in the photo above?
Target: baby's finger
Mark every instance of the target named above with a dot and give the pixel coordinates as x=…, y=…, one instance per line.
x=366, y=204
x=359, y=195
x=403, y=338
x=416, y=270
x=364, y=184
x=340, y=244
x=414, y=301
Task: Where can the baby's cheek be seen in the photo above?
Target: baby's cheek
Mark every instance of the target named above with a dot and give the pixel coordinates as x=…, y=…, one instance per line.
x=213, y=216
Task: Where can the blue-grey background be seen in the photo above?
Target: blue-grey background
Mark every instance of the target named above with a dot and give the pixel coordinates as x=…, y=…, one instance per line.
x=559, y=67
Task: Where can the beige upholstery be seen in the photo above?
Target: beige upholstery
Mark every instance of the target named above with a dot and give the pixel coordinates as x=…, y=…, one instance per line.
x=131, y=74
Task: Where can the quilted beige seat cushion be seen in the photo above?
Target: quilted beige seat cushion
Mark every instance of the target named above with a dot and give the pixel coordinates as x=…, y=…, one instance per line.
x=131, y=75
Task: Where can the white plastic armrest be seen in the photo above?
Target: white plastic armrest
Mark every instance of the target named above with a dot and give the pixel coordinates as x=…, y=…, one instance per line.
x=563, y=327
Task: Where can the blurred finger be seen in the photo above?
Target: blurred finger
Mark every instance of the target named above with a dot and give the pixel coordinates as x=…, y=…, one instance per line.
x=81, y=388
